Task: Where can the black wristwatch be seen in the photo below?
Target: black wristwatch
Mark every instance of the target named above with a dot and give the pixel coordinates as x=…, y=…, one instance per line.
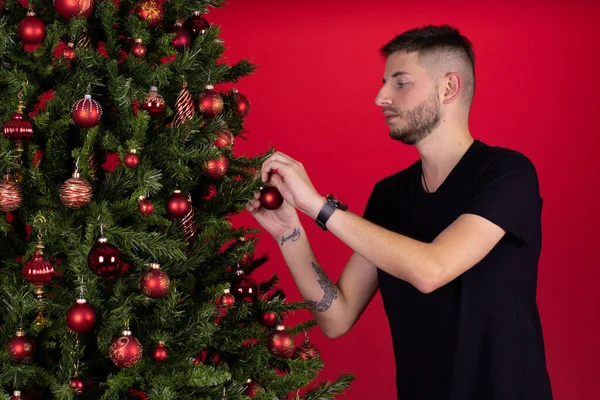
x=329, y=207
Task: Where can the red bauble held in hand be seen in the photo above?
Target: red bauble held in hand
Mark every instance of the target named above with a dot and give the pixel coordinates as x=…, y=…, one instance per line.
x=31, y=29
x=73, y=8
x=20, y=348
x=177, y=205
x=155, y=283
x=270, y=197
x=81, y=317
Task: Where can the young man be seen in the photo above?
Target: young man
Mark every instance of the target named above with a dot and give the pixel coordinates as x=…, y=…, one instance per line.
x=452, y=242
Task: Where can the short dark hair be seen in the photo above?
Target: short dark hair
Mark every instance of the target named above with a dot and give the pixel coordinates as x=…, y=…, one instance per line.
x=431, y=39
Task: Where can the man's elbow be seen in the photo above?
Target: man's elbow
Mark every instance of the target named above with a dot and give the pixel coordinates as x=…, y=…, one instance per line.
x=335, y=331
x=432, y=279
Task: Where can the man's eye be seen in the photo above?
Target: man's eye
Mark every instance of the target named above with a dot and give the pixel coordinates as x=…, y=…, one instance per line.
x=401, y=84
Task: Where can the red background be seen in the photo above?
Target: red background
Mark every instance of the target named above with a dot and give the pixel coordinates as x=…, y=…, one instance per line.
x=537, y=86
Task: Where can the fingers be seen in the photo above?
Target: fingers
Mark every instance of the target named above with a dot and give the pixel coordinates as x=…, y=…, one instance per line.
x=274, y=164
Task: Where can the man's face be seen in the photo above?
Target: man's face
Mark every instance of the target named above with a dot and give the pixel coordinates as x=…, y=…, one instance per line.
x=409, y=99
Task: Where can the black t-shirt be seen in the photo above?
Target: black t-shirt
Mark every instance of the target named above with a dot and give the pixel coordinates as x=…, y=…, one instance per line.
x=479, y=337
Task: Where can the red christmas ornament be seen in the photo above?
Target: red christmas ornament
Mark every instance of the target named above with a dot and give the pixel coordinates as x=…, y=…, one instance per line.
x=74, y=8
x=76, y=192
x=251, y=388
x=38, y=271
x=224, y=139
x=104, y=258
x=68, y=52
x=155, y=283
x=31, y=29
x=182, y=37
x=2, y=7
x=145, y=207
x=86, y=113
x=81, y=317
x=227, y=299
x=210, y=103
x=154, y=102
x=244, y=288
x=280, y=343
x=188, y=224
x=216, y=168
x=17, y=129
x=306, y=351
x=131, y=159
x=138, y=49
x=245, y=260
x=11, y=195
x=160, y=353
x=20, y=348
x=177, y=205
x=150, y=11
x=126, y=350
x=77, y=384
x=196, y=25
x=268, y=319
x=16, y=395
x=242, y=105
x=184, y=107
x=270, y=197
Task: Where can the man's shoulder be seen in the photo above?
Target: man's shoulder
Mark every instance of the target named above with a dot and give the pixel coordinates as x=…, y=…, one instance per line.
x=501, y=158
x=398, y=177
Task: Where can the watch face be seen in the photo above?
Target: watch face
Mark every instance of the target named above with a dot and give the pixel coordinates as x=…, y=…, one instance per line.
x=337, y=202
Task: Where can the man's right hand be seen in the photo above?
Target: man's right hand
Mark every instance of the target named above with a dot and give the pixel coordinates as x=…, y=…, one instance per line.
x=278, y=222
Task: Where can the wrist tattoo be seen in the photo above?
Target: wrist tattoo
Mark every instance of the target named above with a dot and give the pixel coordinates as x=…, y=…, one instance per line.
x=329, y=289
x=293, y=237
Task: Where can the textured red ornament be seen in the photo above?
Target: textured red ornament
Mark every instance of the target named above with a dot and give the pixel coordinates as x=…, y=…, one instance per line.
x=17, y=129
x=155, y=283
x=16, y=395
x=81, y=317
x=77, y=384
x=68, y=53
x=268, y=319
x=242, y=105
x=160, y=353
x=154, y=102
x=150, y=11
x=104, y=258
x=188, y=225
x=210, y=103
x=227, y=299
x=177, y=205
x=196, y=25
x=131, y=159
x=86, y=113
x=306, y=351
x=182, y=37
x=38, y=271
x=31, y=29
x=74, y=8
x=216, y=168
x=280, y=343
x=20, y=348
x=245, y=260
x=270, y=197
x=224, y=139
x=145, y=207
x=126, y=350
x=184, y=107
x=11, y=195
x=244, y=288
x=251, y=388
x=138, y=49
x=76, y=192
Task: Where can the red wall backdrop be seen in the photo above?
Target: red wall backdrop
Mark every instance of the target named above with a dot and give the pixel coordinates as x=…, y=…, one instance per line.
x=537, y=75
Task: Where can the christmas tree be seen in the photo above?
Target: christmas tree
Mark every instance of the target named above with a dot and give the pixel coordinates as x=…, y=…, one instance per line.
x=121, y=275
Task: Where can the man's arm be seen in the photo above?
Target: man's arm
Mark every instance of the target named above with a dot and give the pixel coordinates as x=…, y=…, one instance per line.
x=335, y=307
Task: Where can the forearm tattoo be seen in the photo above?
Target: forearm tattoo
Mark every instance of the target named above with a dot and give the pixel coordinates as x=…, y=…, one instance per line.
x=329, y=289
x=293, y=237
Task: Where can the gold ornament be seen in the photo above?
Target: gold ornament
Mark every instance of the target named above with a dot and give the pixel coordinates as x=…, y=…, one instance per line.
x=11, y=195
x=76, y=192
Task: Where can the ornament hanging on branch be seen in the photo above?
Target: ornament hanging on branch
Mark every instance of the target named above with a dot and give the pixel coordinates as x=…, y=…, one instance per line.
x=145, y=206
x=104, y=259
x=216, y=168
x=81, y=317
x=68, y=53
x=38, y=271
x=244, y=288
x=86, y=113
x=226, y=299
x=177, y=205
x=280, y=343
x=270, y=197
x=77, y=384
x=126, y=350
x=224, y=138
x=150, y=11
x=196, y=25
x=131, y=159
x=31, y=29
x=20, y=348
x=84, y=41
x=268, y=319
x=306, y=351
x=210, y=103
x=16, y=395
x=154, y=102
x=184, y=107
x=242, y=105
x=182, y=37
x=18, y=129
x=188, y=224
x=11, y=195
x=138, y=49
x=74, y=8
x=76, y=192
x=155, y=283
x=160, y=353
x=251, y=388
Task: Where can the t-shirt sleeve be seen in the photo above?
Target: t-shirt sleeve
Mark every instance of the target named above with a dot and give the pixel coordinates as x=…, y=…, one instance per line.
x=507, y=194
x=373, y=204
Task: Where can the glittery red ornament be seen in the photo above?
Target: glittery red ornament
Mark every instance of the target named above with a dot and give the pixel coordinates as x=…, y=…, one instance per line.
x=177, y=205
x=77, y=384
x=126, y=350
x=104, y=259
x=155, y=283
x=188, y=224
x=145, y=207
x=227, y=298
x=17, y=129
x=86, y=113
x=182, y=37
x=160, y=353
x=268, y=319
x=306, y=351
x=16, y=395
x=245, y=260
x=184, y=107
x=138, y=49
x=150, y=11
x=251, y=388
x=270, y=197
x=74, y=8
x=11, y=195
x=38, y=271
x=244, y=288
x=242, y=105
x=280, y=343
x=131, y=159
x=76, y=192
x=81, y=317
x=216, y=168
x=196, y=25
x=210, y=103
x=68, y=53
x=31, y=29
x=20, y=348
x=154, y=102
x=224, y=139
